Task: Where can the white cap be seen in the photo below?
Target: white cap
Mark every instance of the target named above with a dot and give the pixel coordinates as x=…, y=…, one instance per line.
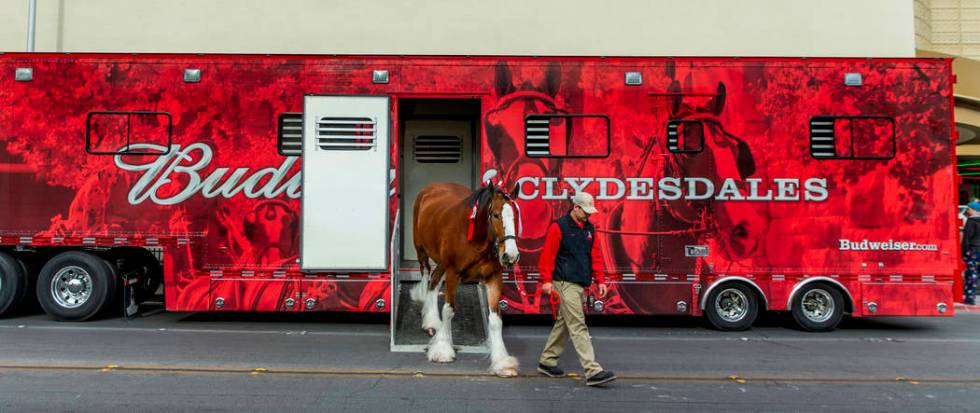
x=584, y=200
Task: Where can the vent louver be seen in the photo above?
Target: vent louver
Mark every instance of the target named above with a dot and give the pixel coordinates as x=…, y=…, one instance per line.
x=345, y=133
x=822, y=137
x=291, y=134
x=672, y=137
x=685, y=136
x=536, y=132
x=438, y=149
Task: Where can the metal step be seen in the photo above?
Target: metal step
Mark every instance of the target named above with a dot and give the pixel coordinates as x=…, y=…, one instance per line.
x=469, y=323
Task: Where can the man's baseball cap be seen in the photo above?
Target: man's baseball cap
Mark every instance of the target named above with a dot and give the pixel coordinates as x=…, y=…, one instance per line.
x=584, y=200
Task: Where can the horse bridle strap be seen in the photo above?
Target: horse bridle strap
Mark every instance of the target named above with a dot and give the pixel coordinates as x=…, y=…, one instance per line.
x=497, y=240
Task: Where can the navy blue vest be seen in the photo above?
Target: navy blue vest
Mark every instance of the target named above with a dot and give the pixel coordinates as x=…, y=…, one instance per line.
x=574, y=260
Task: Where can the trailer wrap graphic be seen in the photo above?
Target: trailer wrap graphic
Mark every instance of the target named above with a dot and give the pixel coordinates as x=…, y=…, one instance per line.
x=752, y=195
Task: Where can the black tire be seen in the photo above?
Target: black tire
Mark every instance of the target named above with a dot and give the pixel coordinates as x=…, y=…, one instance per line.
x=732, y=296
x=32, y=262
x=13, y=282
x=143, y=262
x=99, y=281
x=823, y=310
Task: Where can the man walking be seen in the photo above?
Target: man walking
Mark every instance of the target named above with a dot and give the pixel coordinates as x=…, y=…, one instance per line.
x=971, y=252
x=568, y=263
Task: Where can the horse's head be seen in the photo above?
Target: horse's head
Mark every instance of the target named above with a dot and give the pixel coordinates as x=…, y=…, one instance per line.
x=521, y=91
x=503, y=218
x=723, y=158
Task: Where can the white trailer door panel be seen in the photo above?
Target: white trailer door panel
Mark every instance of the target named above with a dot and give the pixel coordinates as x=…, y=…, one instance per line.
x=345, y=183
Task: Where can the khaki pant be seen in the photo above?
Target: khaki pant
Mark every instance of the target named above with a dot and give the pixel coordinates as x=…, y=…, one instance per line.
x=570, y=323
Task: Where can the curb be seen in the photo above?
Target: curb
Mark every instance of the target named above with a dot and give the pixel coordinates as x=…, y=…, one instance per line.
x=963, y=308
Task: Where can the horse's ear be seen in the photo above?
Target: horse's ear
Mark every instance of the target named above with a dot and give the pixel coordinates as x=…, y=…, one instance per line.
x=675, y=100
x=502, y=79
x=720, y=99
x=552, y=80
x=745, y=160
x=516, y=191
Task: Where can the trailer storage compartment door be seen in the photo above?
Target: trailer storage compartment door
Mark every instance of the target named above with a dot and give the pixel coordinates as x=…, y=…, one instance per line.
x=345, y=183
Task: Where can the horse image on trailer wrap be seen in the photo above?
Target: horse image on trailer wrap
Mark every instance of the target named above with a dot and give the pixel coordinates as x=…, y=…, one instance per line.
x=728, y=186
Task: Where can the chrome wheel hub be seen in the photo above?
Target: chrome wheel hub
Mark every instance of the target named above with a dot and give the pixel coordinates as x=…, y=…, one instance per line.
x=71, y=286
x=732, y=305
x=818, y=305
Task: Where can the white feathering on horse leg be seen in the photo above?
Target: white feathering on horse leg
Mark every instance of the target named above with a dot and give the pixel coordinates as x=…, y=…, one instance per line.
x=501, y=363
x=430, y=314
x=419, y=290
x=441, y=345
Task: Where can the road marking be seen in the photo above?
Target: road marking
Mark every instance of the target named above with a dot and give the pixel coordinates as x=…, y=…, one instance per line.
x=436, y=375
x=655, y=337
x=203, y=330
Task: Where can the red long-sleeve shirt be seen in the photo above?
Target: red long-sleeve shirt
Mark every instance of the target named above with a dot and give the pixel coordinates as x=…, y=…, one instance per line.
x=546, y=262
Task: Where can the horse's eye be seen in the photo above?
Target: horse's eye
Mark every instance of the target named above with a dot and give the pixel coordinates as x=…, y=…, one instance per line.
x=496, y=215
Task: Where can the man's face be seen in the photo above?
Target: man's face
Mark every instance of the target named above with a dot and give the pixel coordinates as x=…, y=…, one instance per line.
x=579, y=214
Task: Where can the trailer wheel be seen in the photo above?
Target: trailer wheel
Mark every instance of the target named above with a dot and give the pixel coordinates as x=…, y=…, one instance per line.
x=75, y=286
x=818, y=307
x=732, y=307
x=13, y=282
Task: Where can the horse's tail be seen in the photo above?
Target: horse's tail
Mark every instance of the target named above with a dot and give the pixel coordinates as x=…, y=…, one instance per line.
x=420, y=251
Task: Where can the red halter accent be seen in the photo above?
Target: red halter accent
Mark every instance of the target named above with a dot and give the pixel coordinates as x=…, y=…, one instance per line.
x=469, y=230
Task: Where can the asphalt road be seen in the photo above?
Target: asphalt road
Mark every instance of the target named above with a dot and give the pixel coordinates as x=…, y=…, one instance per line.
x=334, y=362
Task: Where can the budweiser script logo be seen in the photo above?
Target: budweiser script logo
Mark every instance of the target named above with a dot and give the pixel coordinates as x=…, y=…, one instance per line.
x=184, y=166
x=187, y=163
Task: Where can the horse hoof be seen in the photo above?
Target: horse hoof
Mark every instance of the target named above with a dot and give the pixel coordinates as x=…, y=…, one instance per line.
x=441, y=352
x=443, y=359
x=430, y=331
x=507, y=372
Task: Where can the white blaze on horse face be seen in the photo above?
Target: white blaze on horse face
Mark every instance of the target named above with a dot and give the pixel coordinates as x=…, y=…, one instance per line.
x=510, y=246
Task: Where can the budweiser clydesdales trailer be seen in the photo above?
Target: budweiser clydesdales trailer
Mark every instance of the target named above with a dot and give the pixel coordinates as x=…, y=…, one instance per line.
x=727, y=186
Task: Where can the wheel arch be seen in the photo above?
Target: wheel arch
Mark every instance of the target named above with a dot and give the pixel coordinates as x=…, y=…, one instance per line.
x=848, y=298
x=735, y=279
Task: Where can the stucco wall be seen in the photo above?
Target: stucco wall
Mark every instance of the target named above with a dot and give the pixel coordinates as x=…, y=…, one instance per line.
x=522, y=27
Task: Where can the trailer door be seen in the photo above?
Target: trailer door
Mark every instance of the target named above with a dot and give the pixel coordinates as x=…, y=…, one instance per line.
x=345, y=183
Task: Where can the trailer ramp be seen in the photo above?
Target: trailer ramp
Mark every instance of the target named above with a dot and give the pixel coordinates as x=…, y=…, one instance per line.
x=469, y=323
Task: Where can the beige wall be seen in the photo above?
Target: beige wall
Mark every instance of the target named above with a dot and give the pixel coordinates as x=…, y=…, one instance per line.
x=525, y=27
x=949, y=26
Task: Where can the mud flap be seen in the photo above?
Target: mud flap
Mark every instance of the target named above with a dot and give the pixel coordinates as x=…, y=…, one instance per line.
x=130, y=281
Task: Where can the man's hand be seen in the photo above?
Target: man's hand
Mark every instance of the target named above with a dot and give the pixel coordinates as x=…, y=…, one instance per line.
x=602, y=290
x=546, y=289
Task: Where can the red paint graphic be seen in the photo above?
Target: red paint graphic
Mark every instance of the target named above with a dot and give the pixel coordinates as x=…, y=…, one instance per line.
x=745, y=130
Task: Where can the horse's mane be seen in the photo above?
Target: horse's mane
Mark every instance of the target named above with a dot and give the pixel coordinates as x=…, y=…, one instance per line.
x=481, y=198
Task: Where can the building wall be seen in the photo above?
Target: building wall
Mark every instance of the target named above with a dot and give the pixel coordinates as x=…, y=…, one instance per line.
x=949, y=26
x=522, y=27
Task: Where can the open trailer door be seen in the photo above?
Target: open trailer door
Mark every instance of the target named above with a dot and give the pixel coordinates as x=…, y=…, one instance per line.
x=345, y=183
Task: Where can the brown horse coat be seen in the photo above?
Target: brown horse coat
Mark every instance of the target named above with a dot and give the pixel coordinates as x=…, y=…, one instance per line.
x=467, y=246
x=441, y=221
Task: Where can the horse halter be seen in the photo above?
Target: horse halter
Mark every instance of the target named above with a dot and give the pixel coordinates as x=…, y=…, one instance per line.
x=497, y=240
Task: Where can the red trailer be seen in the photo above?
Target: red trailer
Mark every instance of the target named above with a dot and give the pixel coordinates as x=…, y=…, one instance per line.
x=728, y=186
